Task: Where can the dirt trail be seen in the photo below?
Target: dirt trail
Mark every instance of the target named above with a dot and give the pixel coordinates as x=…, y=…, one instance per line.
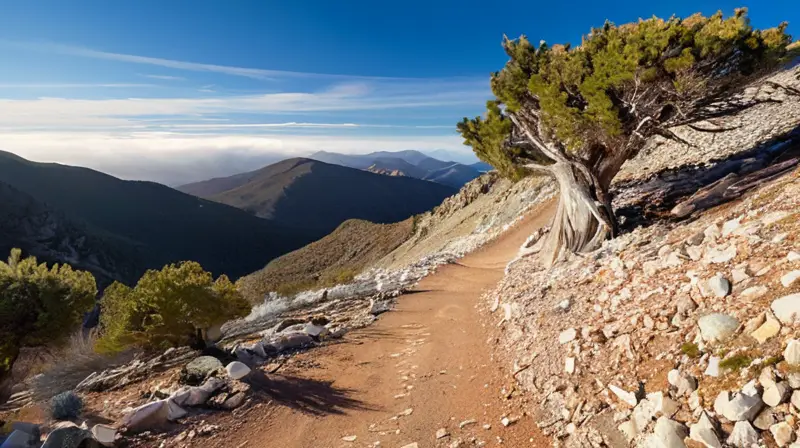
x=429, y=357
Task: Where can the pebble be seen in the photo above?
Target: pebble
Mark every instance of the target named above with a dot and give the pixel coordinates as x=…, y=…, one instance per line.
x=567, y=335
x=441, y=433
x=569, y=365
x=349, y=438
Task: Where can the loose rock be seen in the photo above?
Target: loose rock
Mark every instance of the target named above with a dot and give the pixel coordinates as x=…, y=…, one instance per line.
x=717, y=327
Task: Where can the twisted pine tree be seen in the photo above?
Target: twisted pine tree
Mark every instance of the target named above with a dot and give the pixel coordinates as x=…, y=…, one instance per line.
x=579, y=113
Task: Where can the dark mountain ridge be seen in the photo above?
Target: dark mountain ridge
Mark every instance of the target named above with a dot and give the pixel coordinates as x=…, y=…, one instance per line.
x=316, y=197
x=166, y=225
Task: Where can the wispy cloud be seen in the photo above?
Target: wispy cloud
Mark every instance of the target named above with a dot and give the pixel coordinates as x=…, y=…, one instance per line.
x=72, y=85
x=255, y=73
x=48, y=112
x=164, y=77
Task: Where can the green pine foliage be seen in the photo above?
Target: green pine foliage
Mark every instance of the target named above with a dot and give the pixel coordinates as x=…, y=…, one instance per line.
x=39, y=305
x=167, y=308
x=583, y=97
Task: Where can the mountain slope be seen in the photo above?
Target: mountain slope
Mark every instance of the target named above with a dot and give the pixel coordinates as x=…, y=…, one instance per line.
x=168, y=225
x=53, y=237
x=315, y=197
x=333, y=259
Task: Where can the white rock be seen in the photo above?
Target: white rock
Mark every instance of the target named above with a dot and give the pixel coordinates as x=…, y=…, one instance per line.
x=628, y=429
x=694, y=252
x=717, y=327
x=776, y=393
x=569, y=365
x=626, y=397
x=794, y=379
x=703, y=431
x=765, y=419
x=713, y=366
x=684, y=383
x=693, y=401
x=567, y=335
x=769, y=329
x=789, y=278
x=411, y=445
x=719, y=286
x=104, y=434
x=743, y=436
x=349, y=438
x=667, y=434
x=739, y=275
x=782, y=433
x=663, y=405
x=712, y=232
x=315, y=330
x=731, y=226
x=643, y=414
x=754, y=292
x=441, y=433
x=719, y=256
x=795, y=400
x=237, y=370
x=742, y=407
x=792, y=353
x=152, y=415
x=793, y=256
x=721, y=402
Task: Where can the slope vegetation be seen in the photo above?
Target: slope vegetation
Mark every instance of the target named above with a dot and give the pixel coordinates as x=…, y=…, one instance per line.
x=53, y=237
x=165, y=224
x=315, y=197
x=354, y=245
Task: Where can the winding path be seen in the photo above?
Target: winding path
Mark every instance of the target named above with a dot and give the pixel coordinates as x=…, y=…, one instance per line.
x=424, y=366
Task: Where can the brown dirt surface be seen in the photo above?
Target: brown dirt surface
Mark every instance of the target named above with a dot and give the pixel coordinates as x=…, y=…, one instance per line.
x=336, y=258
x=424, y=366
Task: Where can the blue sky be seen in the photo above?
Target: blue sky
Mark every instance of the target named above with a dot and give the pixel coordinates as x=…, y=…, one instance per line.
x=176, y=91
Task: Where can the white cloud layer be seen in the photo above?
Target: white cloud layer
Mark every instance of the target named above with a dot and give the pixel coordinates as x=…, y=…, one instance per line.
x=178, y=158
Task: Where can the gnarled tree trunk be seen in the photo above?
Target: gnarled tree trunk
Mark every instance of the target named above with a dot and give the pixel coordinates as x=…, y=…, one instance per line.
x=583, y=219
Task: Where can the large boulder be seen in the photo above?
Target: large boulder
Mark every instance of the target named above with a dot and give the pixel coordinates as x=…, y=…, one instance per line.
x=201, y=368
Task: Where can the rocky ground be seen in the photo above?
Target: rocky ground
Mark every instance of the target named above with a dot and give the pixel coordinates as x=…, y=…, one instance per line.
x=678, y=333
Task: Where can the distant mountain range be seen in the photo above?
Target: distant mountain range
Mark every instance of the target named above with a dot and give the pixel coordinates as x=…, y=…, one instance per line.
x=315, y=197
x=233, y=225
x=409, y=164
x=118, y=229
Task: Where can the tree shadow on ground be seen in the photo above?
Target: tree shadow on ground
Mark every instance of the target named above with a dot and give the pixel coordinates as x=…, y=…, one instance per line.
x=641, y=203
x=306, y=395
